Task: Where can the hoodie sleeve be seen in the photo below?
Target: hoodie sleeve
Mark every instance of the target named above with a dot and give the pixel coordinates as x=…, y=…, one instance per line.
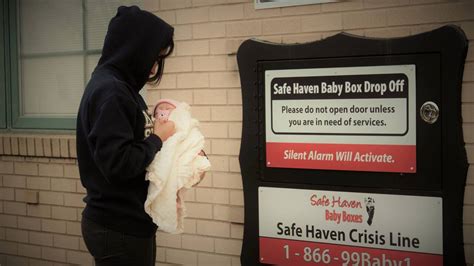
x=116, y=153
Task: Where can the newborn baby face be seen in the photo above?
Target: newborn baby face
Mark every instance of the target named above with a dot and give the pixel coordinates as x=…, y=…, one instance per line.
x=163, y=112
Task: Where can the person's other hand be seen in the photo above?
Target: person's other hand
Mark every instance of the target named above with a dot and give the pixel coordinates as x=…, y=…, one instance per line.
x=201, y=177
x=203, y=174
x=202, y=153
x=164, y=130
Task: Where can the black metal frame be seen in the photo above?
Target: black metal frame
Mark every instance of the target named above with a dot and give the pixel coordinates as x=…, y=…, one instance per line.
x=442, y=165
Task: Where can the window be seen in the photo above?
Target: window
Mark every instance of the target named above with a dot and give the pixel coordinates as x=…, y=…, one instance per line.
x=3, y=81
x=51, y=48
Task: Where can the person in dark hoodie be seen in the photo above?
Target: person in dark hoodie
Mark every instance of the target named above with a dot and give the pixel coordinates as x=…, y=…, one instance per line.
x=116, y=139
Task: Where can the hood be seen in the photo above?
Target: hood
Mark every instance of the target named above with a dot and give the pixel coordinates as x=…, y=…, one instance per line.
x=133, y=42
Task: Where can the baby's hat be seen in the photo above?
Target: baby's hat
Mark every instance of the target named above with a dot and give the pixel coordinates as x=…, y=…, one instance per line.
x=170, y=101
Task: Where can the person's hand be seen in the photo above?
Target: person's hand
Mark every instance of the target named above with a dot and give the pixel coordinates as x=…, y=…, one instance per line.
x=202, y=153
x=203, y=174
x=164, y=130
x=201, y=177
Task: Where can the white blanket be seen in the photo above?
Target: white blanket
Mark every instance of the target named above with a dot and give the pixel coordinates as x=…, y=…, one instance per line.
x=175, y=168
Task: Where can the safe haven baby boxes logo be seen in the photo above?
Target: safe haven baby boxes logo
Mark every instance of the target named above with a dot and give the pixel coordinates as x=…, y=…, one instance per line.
x=342, y=210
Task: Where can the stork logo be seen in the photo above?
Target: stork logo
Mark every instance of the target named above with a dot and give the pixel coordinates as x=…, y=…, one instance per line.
x=370, y=208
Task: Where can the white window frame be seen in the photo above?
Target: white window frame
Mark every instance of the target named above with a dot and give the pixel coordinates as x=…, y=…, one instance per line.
x=262, y=4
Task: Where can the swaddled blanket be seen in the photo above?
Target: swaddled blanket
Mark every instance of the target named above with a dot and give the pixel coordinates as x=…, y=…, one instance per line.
x=175, y=168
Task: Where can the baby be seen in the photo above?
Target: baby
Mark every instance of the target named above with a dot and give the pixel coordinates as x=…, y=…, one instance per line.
x=163, y=109
x=161, y=113
x=176, y=167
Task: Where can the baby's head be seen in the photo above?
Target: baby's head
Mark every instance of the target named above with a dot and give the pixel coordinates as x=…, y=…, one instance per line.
x=163, y=109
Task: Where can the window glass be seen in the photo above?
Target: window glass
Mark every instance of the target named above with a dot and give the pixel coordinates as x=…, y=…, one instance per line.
x=98, y=15
x=58, y=46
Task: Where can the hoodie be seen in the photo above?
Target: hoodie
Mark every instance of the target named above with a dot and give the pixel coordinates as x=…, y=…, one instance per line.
x=114, y=136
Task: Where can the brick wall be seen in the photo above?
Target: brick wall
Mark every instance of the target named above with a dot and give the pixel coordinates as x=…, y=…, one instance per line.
x=41, y=195
x=41, y=201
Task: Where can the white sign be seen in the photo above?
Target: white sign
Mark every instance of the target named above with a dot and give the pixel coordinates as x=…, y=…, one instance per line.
x=358, y=110
x=364, y=116
x=348, y=228
x=260, y=4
